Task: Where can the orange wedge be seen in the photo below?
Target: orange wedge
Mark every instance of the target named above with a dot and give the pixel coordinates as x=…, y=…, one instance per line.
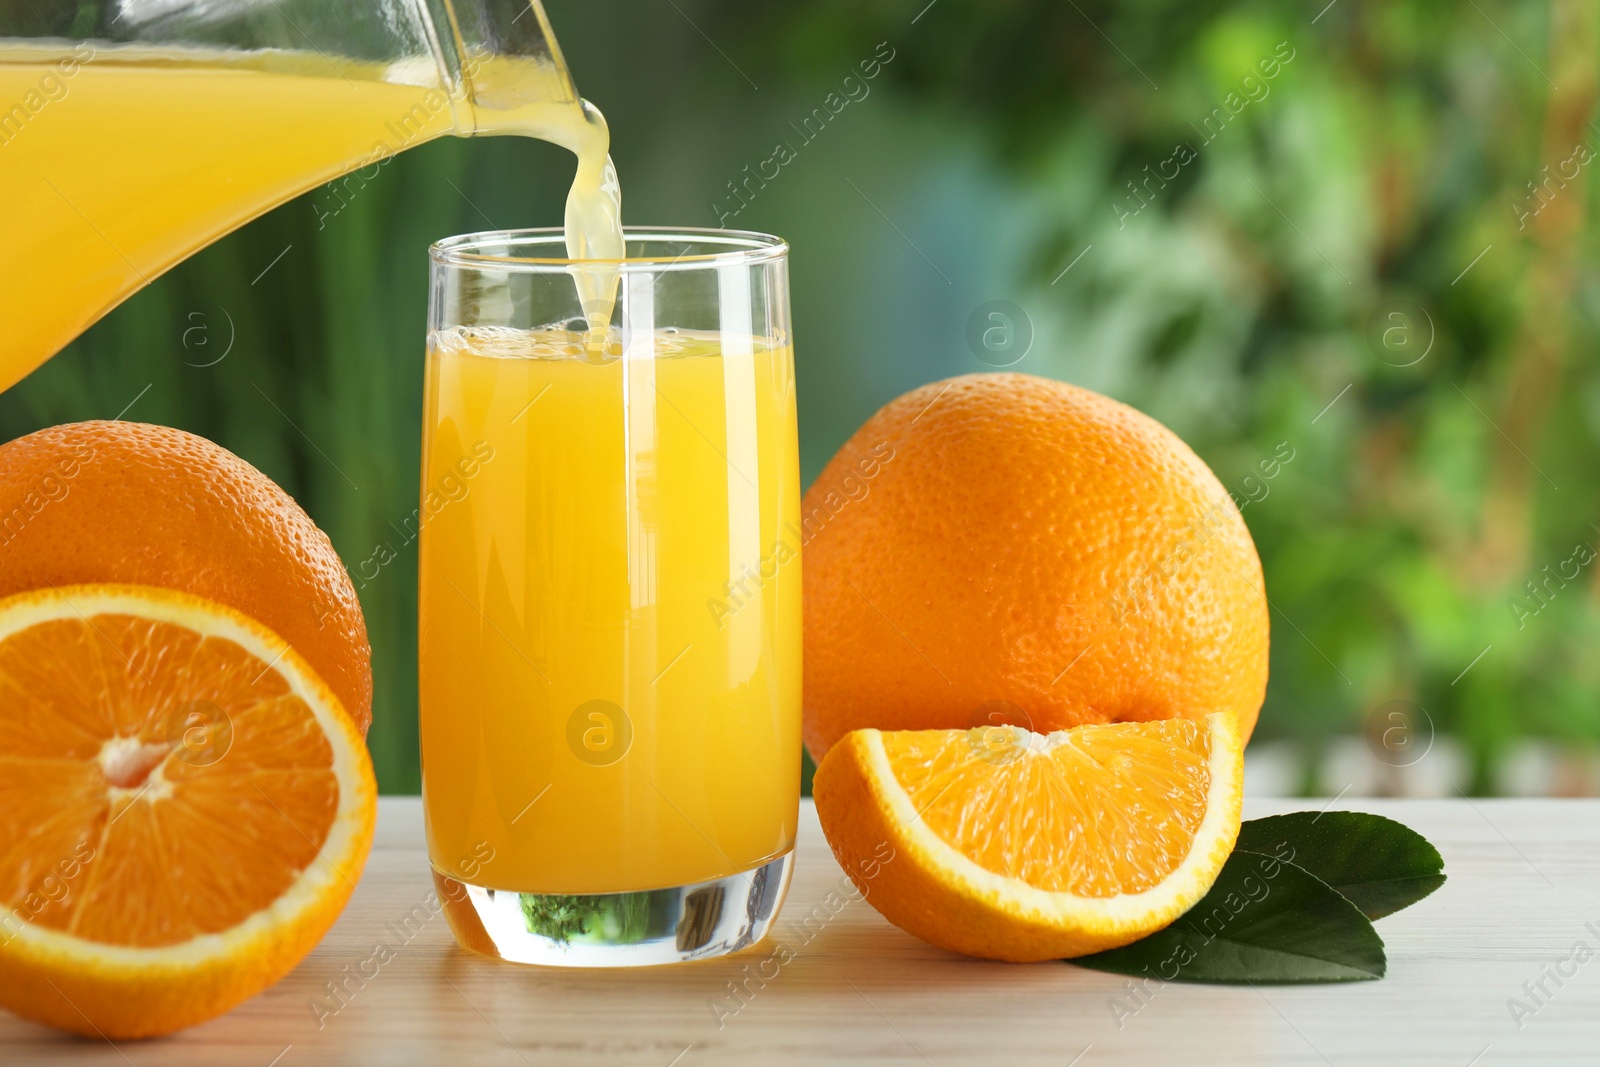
x=1012, y=845
x=184, y=808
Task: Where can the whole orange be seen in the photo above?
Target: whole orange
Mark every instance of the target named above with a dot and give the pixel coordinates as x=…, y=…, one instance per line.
x=127, y=502
x=1002, y=548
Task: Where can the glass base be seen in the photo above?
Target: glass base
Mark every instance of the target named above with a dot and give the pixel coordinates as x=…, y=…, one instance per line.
x=690, y=922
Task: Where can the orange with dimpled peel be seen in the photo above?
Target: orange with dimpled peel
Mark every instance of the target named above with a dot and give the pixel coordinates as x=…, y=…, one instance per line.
x=127, y=502
x=1005, y=548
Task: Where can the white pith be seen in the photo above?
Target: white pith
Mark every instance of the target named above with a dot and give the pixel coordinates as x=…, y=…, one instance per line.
x=119, y=755
x=1022, y=740
x=340, y=853
x=1185, y=884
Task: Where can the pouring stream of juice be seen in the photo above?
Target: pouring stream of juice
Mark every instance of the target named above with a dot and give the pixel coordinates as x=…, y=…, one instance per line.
x=118, y=161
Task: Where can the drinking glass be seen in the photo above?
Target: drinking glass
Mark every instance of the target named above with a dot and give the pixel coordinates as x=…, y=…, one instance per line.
x=609, y=596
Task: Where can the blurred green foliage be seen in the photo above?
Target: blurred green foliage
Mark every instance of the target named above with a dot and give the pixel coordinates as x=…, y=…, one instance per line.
x=1341, y=261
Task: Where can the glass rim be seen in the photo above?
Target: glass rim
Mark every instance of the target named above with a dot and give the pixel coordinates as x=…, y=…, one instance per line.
x=722, y=248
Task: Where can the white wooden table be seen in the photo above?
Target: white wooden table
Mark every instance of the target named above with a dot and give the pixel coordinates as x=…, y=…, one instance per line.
x=1524, y=881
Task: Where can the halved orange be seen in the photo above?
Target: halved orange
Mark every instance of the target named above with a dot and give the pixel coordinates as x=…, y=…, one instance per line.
x=1012, y=845
x=184, y=808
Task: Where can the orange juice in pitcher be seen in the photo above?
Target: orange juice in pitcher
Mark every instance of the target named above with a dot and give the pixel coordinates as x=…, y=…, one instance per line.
x=131, y=142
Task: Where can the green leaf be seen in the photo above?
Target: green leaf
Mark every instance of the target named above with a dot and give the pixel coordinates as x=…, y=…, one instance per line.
x=1264, y=921
x=1379, y=865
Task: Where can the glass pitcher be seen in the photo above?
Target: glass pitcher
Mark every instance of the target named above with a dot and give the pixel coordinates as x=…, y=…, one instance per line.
x=135, y=132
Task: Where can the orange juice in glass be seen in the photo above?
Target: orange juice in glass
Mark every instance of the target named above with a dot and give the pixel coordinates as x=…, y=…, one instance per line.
x=610, y=596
